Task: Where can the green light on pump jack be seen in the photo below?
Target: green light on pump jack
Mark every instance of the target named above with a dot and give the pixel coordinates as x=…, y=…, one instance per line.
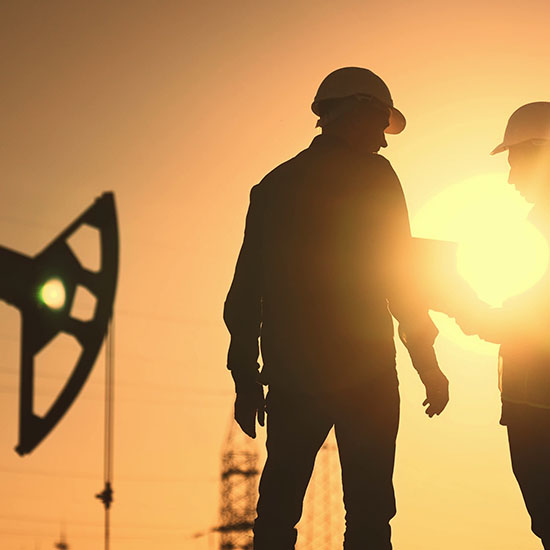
x=52, y=294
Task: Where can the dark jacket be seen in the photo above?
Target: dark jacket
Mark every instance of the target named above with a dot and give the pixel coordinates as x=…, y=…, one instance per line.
x=325, y=249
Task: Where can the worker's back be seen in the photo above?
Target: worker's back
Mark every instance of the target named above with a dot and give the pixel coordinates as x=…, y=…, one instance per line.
x=331, y=225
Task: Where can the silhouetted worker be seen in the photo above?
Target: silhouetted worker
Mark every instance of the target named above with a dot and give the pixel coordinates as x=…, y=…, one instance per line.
x=325, y=250
x=522, y=325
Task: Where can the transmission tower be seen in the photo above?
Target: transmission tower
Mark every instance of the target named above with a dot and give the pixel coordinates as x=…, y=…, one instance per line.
x=239, y=486
x=322, y=523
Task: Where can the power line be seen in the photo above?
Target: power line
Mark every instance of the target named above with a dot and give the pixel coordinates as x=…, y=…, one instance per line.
x=89, y=536
x=170, y=319
x=197, y=401
x=49, y=227
x=146, y=384
x=119, y=525
x=138, y=478
x=174, y=397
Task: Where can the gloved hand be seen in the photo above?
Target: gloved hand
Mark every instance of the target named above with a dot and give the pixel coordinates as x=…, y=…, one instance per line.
x=249, y=404
x=437, y=391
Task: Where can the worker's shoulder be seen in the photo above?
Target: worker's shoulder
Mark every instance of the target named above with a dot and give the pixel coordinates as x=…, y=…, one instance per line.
x=336, y=163
x=381, y=163
x=381, y=173
x=281, y=172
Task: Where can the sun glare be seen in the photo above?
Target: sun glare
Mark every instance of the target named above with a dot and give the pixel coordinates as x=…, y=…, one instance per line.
x=505, y=261
x=500, y=253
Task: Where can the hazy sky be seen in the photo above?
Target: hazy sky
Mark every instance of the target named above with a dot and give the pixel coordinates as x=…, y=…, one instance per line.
x=179, y=108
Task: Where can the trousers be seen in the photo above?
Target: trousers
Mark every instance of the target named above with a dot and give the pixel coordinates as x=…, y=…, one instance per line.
x=365, y=418
x=529, y=440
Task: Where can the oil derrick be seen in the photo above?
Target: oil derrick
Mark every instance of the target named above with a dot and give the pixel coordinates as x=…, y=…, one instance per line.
x=239, y=486
x=322, y=523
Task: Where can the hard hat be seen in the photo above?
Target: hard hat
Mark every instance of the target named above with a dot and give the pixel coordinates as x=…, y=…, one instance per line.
x=528, y=123
x=356, y=81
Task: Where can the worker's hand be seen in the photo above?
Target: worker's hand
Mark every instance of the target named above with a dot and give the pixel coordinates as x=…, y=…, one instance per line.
x=435, y=382
x=462, y=300
x=250, y=403
x=471, y=314
x=468, y=323
x=437, y=391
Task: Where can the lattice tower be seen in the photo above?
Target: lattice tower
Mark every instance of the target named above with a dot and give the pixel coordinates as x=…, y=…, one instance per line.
x=322, y=524
x=239, y=490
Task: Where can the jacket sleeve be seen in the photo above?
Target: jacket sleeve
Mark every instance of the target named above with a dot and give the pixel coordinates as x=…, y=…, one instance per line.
x=242, y=308
x=524, y=318
x=405, y=297
x=495, y=325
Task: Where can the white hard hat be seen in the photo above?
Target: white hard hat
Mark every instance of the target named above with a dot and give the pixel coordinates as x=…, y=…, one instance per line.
x=356, y=81
x=530, y=122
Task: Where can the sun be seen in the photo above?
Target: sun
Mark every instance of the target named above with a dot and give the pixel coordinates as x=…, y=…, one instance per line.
x=500, y=253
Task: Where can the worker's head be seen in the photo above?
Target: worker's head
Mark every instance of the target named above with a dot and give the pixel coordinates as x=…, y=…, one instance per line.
x=527, y=140
x=356, y=103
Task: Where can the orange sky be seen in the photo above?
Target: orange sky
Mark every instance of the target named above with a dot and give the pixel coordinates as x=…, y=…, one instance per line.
x=179, y=108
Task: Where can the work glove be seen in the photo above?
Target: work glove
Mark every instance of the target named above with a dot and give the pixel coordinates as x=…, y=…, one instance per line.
x=249, y=405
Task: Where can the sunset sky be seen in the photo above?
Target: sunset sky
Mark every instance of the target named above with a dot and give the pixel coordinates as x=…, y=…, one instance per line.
x=180, y=108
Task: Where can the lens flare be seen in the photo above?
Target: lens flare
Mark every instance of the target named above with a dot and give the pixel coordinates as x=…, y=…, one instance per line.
x=500, y=253
x=52, y=294
x=504, y=261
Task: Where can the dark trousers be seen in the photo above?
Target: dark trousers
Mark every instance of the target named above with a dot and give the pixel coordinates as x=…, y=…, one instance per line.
x=366, y=419
x=529, y=439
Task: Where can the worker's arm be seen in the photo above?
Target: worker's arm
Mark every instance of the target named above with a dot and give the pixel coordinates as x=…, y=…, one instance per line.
x=523, y=319
x=476, y=317
x=407, y=302
x=418, y=332
x=242, y=316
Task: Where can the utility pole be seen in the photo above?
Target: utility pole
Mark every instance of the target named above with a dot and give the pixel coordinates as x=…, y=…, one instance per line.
x=106, y=496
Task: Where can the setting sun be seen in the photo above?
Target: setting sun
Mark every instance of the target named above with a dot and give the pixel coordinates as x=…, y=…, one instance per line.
x=500, y=253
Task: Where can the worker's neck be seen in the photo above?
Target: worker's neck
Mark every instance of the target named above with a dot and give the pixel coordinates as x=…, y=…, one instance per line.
x=346, y=134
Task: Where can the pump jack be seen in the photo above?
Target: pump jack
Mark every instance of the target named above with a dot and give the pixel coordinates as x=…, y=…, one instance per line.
x=43, y=288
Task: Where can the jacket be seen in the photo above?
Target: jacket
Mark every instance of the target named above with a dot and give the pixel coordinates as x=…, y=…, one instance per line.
x=524, y=355
x=323, y=262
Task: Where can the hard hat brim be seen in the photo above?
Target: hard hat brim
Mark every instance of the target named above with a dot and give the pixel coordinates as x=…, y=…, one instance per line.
x=397, y=122
x=499, y=149
x=397, y=119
